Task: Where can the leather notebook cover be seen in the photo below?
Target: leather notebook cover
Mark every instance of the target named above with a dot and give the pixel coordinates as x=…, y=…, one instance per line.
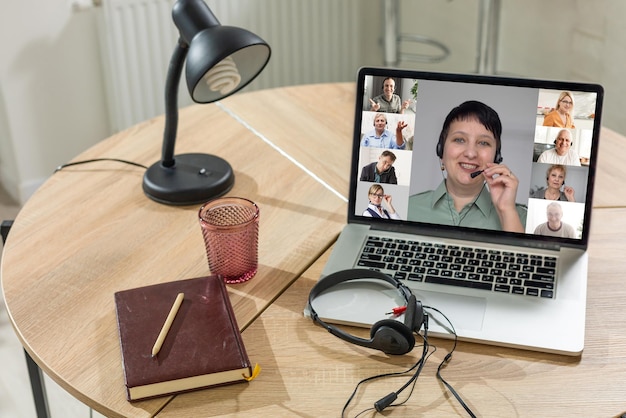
x=202, y=348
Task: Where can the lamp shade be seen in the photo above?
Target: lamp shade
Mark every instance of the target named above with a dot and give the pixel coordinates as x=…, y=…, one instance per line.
x=222, y=60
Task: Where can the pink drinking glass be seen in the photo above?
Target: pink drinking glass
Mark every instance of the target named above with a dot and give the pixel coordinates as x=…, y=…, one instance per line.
x=230, y=226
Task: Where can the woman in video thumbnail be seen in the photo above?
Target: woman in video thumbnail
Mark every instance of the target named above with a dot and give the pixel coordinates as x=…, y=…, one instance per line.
x=376, y=208
x=555, y=179
x=561, y=115
x=478, y=191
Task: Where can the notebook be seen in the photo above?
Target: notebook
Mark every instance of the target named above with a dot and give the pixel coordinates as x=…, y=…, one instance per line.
x=435, y=220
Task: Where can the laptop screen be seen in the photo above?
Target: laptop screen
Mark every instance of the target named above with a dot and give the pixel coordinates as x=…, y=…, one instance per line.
x=479, y=157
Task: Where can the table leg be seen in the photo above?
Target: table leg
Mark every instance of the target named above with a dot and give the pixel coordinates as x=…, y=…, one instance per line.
x=34, y=372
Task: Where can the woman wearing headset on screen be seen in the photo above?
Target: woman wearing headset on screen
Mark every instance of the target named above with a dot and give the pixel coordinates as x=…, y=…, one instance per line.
x=478, y=190
x=555, y=179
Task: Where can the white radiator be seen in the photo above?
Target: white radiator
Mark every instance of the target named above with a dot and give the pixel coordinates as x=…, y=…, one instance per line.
x=312, y=41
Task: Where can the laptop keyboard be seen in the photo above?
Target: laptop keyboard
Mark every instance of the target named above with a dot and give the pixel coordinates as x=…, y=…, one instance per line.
x=494, y=270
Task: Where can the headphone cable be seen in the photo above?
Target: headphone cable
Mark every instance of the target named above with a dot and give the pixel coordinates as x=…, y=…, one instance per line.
x=447, y=359
x=379, y=376
x=386, y=401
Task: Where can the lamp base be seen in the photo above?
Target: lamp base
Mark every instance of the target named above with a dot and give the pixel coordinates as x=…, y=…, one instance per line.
x=194, y=179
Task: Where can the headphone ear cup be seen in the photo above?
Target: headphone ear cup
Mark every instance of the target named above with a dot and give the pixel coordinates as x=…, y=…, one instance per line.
x=392, y=337
x=409, y=313
x=414, y=314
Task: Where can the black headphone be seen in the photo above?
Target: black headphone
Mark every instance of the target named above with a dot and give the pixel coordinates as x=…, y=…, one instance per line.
x=497, y=159
x=388, y=335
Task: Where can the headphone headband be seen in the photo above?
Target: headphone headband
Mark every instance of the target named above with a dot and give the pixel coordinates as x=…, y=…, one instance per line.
x=387, y=335
x=354, y=274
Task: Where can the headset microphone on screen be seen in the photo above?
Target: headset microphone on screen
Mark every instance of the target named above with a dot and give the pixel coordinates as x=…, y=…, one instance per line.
x=387, y=335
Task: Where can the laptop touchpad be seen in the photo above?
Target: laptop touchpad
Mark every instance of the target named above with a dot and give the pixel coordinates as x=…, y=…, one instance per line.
x=465, y=312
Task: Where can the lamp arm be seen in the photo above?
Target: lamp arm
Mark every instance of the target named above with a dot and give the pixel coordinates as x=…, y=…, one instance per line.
x=171, y=102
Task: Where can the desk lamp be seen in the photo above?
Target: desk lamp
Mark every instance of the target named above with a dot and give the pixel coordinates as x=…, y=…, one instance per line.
x=220, y=60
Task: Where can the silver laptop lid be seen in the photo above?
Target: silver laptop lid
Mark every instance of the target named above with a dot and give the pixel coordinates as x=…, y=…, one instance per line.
x=468, y=144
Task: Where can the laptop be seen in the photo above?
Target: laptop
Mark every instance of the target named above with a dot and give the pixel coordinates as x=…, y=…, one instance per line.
x=516, y=281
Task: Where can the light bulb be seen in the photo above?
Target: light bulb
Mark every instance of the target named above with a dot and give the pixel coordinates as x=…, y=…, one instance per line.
x=223, y=77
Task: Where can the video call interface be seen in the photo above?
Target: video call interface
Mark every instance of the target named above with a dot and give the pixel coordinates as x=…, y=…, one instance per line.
x=407, y=173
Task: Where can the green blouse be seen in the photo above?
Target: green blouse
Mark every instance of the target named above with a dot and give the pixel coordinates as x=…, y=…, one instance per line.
x=437, y=207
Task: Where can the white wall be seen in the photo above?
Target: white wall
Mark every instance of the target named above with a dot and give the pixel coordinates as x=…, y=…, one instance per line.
x=51, y=95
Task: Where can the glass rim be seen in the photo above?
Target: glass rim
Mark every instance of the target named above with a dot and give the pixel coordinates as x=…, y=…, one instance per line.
x=223, y=201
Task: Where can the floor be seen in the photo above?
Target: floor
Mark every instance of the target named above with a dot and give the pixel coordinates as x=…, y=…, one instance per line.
x=16, y=400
